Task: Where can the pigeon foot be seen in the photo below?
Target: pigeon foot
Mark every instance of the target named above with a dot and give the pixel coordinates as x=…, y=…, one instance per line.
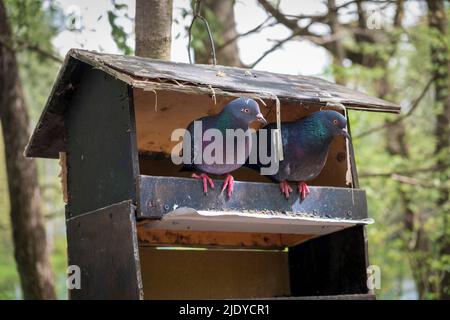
x=285, y=188
x=229, y=182
x=303, y=189
x=206, y=180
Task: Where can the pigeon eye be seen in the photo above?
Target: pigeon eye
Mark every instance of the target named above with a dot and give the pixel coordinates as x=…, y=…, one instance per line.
x=335, y=122
x=246, y=110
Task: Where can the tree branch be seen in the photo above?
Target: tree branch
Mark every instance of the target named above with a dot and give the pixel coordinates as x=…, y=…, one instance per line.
x=22, y=45
x=400, y=118
x=258, y=28
x=278, y=15
x=416, y=182
x=404, y=172
x=272, y=49
x=359, y=32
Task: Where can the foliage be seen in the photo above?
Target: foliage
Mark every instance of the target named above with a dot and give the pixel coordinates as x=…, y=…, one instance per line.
x=33, y=28
x=390, y=243
x=118, y=33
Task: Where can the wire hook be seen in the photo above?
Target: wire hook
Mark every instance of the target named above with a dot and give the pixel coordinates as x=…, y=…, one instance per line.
x=197, y=15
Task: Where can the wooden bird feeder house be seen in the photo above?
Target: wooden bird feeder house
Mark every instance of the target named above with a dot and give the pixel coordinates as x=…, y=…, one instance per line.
x=109, y=119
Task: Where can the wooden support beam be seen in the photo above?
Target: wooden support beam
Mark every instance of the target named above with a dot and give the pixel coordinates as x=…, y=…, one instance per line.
x=152, y=237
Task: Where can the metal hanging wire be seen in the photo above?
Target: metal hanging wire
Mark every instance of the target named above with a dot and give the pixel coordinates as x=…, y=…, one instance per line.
x=197, y=15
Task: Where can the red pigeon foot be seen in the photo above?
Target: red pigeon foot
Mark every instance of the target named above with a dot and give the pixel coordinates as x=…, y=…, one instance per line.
x=285, y=188
x=303, y=190
x=205, y=179
x=229, y=182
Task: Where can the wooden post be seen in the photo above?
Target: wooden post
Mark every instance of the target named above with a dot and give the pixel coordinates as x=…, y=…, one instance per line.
x=102, y=175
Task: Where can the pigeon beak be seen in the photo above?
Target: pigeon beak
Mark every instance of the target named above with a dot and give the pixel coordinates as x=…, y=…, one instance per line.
x=260, y=118
x=345, y=133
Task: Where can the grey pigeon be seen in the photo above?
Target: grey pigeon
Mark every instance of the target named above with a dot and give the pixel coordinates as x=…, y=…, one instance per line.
x=238, y=114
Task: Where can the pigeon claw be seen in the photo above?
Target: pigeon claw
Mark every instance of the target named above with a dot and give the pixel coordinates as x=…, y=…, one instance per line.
x=206, y=180
x=229, y=182
x=285, y=188
x=303, y=189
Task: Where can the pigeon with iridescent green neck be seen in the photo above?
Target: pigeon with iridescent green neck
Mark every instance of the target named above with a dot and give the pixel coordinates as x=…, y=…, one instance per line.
x=306, y=143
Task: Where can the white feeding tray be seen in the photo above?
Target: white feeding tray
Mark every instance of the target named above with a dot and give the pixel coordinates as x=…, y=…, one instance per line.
x=188, y=219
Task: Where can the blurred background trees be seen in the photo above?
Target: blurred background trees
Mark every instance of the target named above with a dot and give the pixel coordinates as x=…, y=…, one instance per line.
x=396, y=49
x=404, y=160
x=23, y=28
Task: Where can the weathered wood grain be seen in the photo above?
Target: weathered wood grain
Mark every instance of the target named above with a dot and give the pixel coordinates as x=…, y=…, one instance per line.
x=240, y=240
x=159, y=195
x=103, y=244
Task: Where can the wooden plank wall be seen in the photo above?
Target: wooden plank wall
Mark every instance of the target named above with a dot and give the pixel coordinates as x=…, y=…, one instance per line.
x=213, y=274
x=102, y=165
x=103, y=244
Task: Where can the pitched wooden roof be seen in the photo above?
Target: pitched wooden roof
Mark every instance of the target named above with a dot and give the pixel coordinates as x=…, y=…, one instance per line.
x=153, y=74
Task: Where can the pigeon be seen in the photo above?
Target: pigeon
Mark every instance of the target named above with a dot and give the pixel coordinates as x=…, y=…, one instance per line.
x=237, y=114
x=306, y=143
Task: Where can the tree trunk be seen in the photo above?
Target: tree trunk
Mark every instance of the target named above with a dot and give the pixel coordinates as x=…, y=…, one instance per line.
x=30, y=243
x=153, y=28
x=227, y=51
x=437, y=20
x=337, y=48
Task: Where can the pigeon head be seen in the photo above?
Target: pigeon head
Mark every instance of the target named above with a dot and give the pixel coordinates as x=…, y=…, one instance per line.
x=244, y=110
x=334, y=122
